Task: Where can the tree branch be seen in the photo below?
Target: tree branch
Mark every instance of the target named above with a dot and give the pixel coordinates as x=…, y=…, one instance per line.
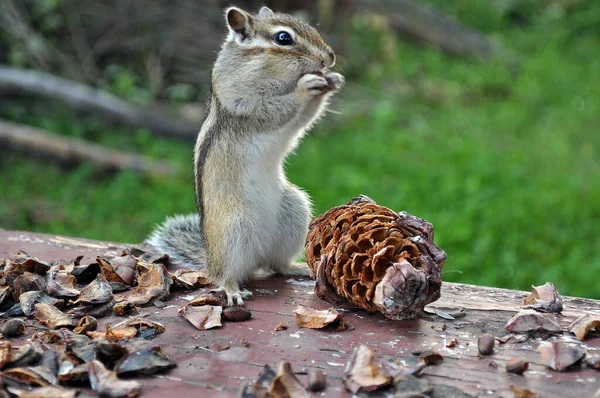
x=85, y=98
x=70, y=150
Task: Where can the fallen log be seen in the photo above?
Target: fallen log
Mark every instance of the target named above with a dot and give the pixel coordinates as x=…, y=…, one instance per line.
x=85, y=98
x=424, y=23
x=71, y=150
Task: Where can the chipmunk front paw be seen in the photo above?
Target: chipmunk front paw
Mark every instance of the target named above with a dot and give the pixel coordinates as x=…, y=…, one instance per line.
x=312, y=83
x=319, y=83
x=335, y=81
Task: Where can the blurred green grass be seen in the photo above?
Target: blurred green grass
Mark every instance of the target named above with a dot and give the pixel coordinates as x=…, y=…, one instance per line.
x=503, y=159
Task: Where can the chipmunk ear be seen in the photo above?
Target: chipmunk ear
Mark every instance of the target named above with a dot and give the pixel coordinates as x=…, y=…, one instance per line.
x=239, y=22
x=265, y=12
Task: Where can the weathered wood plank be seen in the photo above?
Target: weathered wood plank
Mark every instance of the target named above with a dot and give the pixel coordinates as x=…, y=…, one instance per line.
x=202, y=371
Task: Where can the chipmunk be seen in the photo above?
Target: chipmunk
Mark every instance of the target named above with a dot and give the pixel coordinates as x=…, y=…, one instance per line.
x=270, y=83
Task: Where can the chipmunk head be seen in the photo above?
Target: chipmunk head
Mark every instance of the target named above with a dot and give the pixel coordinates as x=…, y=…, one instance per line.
x=267, y=52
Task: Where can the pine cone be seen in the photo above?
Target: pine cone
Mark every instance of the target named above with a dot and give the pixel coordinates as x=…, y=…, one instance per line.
x=375, y=258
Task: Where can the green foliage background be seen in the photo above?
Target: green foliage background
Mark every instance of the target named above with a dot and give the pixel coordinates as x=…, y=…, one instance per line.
x=503, y=157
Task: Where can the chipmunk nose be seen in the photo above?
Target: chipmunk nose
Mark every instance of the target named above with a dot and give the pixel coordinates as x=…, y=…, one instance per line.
x=329, y=59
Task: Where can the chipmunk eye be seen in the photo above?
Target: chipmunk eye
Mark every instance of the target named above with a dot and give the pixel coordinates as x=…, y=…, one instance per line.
x=283, y=38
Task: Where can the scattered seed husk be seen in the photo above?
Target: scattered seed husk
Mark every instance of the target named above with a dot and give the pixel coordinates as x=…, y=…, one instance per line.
x=35, y=266
x=544, y=298
x=13, y=311
x=511, y=337
x=397, y=368
x=85, y=273
x=361, y=373
x=236, y=314
x=443, y=314
x=125, y=267
x=110, y=352
x=128, y=328
x=114, y=334
x=50, y=359
x=429, y=357
x=153, y=284
x=208, y=299
x=120, y=271
x=46, y=392
x=190, y=279
x=26, y=283
x=203, y=317
x=5, y=353
x=280, y=326
x=532, y=321
x=581, y=326
x=52, y=317
x=13, y=328
x=411, y=384
x=81, y=346
x=106, y=383
x=559, y=355
x=517, y=365
x=97, y=292
x=123, y=307
x=285, y=384
x=97, y=311
x=27, y=355
x=260, y=388
x=144, y=362
x=71, y=374
x=5, y=294
x=316, y=380
x=118, y=287
x=312, y=318
x=592, y=360
x=86, y=324
x=522, y=392
x=32, y=376
x=147, y=253
x=28, y=300
x=62, y=284
x=141, y=323
x=485, y=344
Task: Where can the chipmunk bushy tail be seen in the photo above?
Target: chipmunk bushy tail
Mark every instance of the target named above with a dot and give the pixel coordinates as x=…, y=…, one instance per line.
x=181, y=238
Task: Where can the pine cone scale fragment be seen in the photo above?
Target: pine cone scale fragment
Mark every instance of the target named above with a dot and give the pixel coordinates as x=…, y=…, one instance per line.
x=375, y=258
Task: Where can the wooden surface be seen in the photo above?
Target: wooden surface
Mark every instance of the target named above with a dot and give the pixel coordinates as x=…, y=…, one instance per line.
x=203, y=371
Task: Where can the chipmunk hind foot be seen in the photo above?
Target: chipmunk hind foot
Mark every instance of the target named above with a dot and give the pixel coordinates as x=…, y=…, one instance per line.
x=235, y=295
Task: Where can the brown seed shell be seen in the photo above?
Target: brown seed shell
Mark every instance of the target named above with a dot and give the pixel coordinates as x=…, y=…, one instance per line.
x=236, y=314
x=86, y=324
x=13, y=328
x=517, y=366
x=485, y=344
